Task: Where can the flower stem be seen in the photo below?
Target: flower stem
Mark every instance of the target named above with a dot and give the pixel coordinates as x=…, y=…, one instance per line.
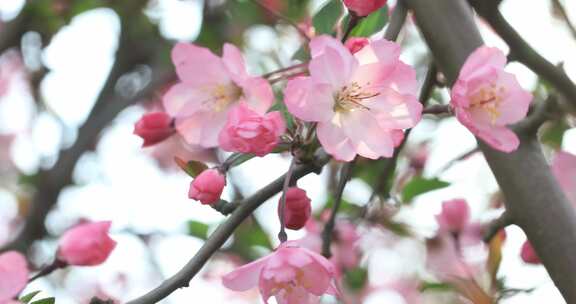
x=282, y=236
x=46, y=270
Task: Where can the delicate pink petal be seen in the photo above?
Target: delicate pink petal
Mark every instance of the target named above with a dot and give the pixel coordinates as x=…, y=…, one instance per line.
x=234, y=63
x=394, y=110
x=183, y=99
x=334, y=65
x=517, y=102
x=382, y=51
x=198, y=66
x=564, y=169
x=482, y=57
x=502, y=139
x=367, y=135
x=13, y=275
x=258, y=94
x=246, y=276
x=86, y=244
x=308, y=100
x=202, y=128
x=335, y=141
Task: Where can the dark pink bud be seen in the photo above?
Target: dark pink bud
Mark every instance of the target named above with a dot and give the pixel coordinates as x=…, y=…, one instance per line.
x=454, y=216
x=364, y=7
x=154, y=128
x=207, y=187
x=298, y=208
x=355, y=44
x=528, y=254
x=86, y=244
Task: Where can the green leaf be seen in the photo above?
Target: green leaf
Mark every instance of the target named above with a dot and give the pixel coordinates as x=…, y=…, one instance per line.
x=419, y=185
x=192, y=168
x=27, y=298
x=198, y=229
x=553, y=133
x=372, y=24
x=50, y=300
x=356, y=278
x=327, y=17
x=432, y=286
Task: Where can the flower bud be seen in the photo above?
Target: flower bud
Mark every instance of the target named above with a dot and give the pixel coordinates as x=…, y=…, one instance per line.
x=355, y=44
x=13, y=275
x=364, y=7
x=207, y=187
x=528, y=254
x=454, y=216
x=297, y=210
x=154, y=128
x=86, y=244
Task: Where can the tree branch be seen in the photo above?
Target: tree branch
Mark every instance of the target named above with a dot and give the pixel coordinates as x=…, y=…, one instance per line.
x=533, y=196
x=498, y=224
x=559, y=7
x=245, y=208
x=397, y=21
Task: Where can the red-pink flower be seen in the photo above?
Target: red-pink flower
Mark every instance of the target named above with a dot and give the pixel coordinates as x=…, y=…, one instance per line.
x=355, y=44
x=86, y=244
x=13, y=275
x=207, y=187
x=364, y=7
x=360, y=101
x=455, y=215
x=298, y=208
x=247, y=131
x=528, y=254
x=154, y=128
x=210, y=87
x=487, y=99
x=564, y=168
x=292, y=274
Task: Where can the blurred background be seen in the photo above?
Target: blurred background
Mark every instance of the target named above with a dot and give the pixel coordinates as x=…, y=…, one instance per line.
x=75, y=75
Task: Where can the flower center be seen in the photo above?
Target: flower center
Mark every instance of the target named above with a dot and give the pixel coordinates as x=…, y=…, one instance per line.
x=350, y=98
x=223, y=95
x=489, y=98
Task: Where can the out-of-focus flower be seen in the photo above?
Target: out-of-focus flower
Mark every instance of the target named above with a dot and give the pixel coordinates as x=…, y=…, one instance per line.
x=207, y=187
x=487, y=99
x=364, y=7
x=154, y=128
x=292, y=274
x=249, y=132
x=564, y=169
x=360, y=101
x=298, y=208
x=455, y=215
x=13, y=275
x=86, y=244
x=528, y=254
x=210, y=87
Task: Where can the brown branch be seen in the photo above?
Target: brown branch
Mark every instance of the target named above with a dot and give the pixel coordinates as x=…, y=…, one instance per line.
x=498, y=224
x=397, y=21
x=533, y=196
x=183, y=277
x=559, y=7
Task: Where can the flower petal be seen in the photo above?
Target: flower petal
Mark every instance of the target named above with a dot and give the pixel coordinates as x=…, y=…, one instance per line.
x=245, y=277
x=308, y=100
x=198, y=66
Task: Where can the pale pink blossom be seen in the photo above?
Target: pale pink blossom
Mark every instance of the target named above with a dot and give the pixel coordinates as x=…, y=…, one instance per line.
x=13, y=275
x=207, y=187
x=564, y=169
x=487, y=99
x=291, y=274
x=247, y=131
x=86, y=244
x=298, y=208
x=528, y=254
x=360, y=101
x=455, y=215
x=210, y=87
x=154, y=128
x=364, y=7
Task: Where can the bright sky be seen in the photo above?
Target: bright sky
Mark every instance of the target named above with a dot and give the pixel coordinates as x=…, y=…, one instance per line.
x=119, y=182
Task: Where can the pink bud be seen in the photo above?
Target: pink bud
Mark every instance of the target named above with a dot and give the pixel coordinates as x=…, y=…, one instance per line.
x=364, y=7
x=454, y=216
x=207, y=187
x=298, y=208
x=154, y=128
x=355, y=44
x=13, y=275
x=86, y=244
x=528, y=254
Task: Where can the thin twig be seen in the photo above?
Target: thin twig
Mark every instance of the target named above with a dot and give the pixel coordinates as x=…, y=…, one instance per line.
x=283, y=18
x=224, y=231
x=397, y=21
x=458, y=159
x=437, y=109
x=282, y=236
x=354, y=20
x=284, y=70
x=47, y=270
x=345, y=174
x=543, y=112
x=564, y=15
x=498, y=224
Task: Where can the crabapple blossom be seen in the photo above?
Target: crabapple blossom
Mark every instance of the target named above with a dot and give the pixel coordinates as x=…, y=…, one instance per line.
x=486, y=99
x=86, y=244
x=247, y=131
x=209, y=88
x=207, y=187
x=154, y=128
x=454, y=216
x=355, y=44
x=360, y=101
x=528, y=254
x=364, y=7
x=292, y=274
x=298, y=208
x=13, y=275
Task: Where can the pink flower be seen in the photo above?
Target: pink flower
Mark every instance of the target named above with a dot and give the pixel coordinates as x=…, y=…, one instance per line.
x=364, y=7
x=298, y=208
x=528, y=254
x=154, y=128
x=292, y=274
x=86, y=244
x=487, y=99
x=564, y=169
x=455, y=215
x=207, y=187
x=249, y=132
x=360, y=101
x=210, y=86
x=13, y=275
x=355, y=44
